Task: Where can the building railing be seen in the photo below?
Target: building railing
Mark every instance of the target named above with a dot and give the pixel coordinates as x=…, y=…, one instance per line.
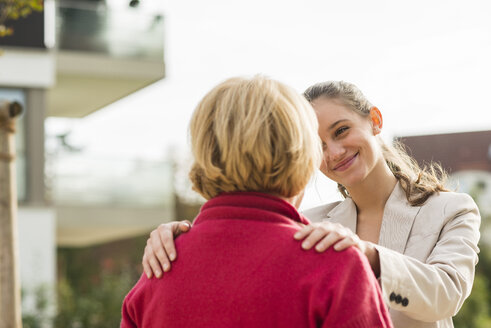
x=78, y=180
x=94, y=26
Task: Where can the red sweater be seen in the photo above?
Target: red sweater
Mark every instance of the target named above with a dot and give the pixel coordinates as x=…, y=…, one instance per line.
x=239, y=266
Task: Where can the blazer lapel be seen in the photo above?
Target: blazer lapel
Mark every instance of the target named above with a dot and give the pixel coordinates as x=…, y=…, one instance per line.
x=345, y=213
x=397, y=221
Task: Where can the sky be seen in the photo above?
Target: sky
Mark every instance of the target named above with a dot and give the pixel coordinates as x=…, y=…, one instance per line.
x=425, y=64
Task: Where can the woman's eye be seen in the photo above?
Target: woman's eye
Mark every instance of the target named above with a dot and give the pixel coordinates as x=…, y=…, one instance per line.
x=340, y=131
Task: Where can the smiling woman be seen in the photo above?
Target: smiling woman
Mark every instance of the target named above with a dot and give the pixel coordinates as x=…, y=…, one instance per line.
x=392, y=204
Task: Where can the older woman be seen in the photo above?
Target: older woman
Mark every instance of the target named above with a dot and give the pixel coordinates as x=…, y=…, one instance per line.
x=255, y=147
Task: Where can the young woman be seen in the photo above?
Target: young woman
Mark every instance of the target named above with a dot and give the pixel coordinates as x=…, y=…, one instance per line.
x=250, y=174
x=420, y=239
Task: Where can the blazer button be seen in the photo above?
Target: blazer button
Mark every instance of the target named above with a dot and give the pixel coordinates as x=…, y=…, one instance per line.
x=405, y=301
x=398, y=299
x=392, y=297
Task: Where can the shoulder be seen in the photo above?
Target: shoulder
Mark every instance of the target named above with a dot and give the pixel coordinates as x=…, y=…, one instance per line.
x=451, y=203
x=320, y=212
x=331, y=265
x=133, y=301
x=452, y=210
x=344, y=277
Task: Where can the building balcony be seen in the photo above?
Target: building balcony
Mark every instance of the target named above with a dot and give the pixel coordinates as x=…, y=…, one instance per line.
x=106, y=50
x=99, y=200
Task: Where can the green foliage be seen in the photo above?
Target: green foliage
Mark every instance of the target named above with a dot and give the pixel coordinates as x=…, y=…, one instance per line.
x=94, y=281
x=15, y=9
x=99, y=307
x=39, y=316
x=92, y=284
x=475, y=311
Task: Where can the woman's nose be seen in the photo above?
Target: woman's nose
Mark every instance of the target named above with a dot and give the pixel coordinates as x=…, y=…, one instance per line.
x=334, y=151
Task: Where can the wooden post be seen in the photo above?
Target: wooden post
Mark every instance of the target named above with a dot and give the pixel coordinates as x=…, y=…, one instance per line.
x=10, y=312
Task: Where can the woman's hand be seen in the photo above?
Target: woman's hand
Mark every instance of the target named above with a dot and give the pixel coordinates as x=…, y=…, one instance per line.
x=326, y=234
x=160, y=249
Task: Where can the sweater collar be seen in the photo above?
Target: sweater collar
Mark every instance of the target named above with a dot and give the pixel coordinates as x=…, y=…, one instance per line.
x=246, y=205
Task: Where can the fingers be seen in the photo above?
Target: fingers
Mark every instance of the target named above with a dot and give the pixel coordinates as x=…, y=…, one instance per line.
x=350, y=240
x=161, y=243
x=168, y=232
x=150, y=263
x=304, y=232
x=160, y=249
x=334, y=237
x=324, y=235
x=164, y=243
x=184, y=226
x=146, y=267
x=315, y=236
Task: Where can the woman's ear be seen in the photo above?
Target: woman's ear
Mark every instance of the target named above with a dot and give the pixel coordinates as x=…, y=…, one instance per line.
x=377, y=121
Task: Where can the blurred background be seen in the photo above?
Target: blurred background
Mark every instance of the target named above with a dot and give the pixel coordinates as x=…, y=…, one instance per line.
x=108, y=87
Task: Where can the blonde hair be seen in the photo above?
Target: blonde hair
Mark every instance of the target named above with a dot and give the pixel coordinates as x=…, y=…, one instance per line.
x=253, y=134
x=418, y=183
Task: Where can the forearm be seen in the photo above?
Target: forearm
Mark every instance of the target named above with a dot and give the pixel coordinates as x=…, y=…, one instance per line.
x=423, y=291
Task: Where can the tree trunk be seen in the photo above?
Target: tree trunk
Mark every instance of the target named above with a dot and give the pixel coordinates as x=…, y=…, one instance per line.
x=10, y=312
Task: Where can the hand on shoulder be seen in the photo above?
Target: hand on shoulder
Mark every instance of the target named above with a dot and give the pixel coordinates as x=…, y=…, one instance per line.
x=323, y=235
x=160, y=250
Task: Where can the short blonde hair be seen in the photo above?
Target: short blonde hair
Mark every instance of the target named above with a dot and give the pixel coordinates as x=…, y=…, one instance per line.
x=253, y=134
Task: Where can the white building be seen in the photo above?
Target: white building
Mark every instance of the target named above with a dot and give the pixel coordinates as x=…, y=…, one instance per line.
x=69, y=61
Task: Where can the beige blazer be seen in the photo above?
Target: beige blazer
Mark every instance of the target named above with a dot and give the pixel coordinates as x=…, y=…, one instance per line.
x=427, y=254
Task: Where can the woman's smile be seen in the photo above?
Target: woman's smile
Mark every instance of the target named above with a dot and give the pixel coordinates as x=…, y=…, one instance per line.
x=345, y=164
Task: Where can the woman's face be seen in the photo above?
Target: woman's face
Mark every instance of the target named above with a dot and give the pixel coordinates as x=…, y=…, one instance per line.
x=351, y=151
